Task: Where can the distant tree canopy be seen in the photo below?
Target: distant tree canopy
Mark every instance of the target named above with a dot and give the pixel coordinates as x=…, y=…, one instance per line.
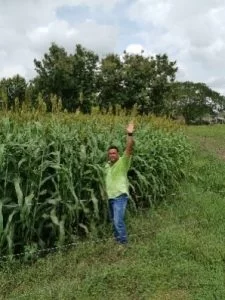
x=67, y=76
x=82, y=80
x=195, y=100
x=12, y=89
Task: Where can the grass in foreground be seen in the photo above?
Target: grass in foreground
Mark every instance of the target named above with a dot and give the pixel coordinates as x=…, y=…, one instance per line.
x=176, y=251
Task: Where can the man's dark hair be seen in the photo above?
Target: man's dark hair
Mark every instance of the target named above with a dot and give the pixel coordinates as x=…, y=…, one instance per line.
x=113, y=147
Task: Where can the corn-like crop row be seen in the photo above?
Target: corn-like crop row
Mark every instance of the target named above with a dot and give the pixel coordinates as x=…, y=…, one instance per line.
x=52, y=175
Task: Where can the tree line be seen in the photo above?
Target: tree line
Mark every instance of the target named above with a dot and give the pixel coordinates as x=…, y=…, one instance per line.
x=82, y=80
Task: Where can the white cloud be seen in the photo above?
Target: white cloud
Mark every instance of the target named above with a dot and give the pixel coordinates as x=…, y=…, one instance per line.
x=191, y=32
x=28, y=27
x=135, y=49
x=84, y=33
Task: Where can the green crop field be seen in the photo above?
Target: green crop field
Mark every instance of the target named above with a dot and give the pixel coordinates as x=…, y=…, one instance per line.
x=52, y=194
x=52, y=175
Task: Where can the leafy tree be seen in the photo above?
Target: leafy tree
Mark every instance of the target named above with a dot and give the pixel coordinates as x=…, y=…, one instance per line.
x=84, y=64
x=109, y=83
x=14, y=88
x=135, y=80
x=195, y=100
x=55, y=73
x=67, y=76
x=161, y=85
x=148, y=82
x=80, y=81
x=137, y=75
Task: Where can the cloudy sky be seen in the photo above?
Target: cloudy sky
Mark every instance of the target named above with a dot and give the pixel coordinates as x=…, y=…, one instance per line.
x=189, y=31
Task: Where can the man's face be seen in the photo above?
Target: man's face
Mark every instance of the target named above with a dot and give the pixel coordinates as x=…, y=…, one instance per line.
x=113, y=155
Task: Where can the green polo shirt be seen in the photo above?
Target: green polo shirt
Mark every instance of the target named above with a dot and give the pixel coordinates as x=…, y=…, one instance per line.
x=116, y=177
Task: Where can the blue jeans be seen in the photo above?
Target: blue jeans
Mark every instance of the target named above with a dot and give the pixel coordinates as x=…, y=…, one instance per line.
x=117, y=207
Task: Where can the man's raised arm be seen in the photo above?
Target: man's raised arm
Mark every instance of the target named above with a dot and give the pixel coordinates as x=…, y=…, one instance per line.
x=130, y=139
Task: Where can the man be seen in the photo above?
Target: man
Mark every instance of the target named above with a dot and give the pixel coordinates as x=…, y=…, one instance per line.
x=117, y=185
